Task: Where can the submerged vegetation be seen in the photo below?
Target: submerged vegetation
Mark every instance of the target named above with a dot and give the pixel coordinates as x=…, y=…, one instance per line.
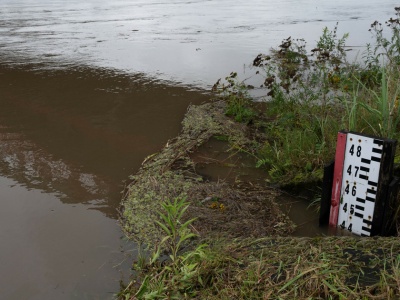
x=210, y=240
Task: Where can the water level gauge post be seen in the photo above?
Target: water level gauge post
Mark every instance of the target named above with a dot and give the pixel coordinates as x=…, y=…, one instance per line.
x=337, y=178
x=362, y=174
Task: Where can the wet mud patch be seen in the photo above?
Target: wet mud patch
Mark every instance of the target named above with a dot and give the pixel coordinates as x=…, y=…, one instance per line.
x=225, y=206
x=235, y=200
x=217, y=160
x=236, y=211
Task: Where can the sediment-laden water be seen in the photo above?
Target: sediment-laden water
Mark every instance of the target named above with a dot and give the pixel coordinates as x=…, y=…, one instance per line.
x=88, y=89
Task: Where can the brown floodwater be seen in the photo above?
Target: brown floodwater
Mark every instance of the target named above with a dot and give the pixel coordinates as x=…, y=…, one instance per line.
x=68, y=141
x=88, y=89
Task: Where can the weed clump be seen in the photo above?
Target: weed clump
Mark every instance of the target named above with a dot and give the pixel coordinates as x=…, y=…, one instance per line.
x=312, y=94
x=237, y=98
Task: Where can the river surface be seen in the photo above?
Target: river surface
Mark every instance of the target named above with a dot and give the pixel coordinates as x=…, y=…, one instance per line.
x=88, y=89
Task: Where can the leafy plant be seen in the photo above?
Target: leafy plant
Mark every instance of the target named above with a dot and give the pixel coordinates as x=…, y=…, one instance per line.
x=177, y=233
x=175, y=275
x=384, y=107
x=237, y=98
x=312, y=96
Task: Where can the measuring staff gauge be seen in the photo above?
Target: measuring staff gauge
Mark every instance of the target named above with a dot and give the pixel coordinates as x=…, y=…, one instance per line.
x=363, y=171
x=362, y=162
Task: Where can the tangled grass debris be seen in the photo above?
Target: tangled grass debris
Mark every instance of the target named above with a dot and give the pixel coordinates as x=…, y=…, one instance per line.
x=171, y=174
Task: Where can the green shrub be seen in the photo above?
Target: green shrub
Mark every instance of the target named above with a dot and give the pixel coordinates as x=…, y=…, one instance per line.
x=312, y=95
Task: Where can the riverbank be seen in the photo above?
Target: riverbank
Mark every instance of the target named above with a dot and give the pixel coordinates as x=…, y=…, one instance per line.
x=249, y=253
x=226, y=240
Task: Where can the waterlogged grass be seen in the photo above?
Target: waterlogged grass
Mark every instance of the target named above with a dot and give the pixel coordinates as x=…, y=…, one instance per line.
x=266, y=268
x=173, y=279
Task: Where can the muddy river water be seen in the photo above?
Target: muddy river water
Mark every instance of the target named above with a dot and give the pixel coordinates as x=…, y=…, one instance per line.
x=88, y=89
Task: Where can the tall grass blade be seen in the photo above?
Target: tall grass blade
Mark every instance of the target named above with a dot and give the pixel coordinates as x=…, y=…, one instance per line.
x=297, y=277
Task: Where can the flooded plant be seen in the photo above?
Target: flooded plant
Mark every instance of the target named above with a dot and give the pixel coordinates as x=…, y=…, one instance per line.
x=235, y=94
x=383, y=108
x=311, y=95
x=173, y=277
x=386, y=48
x=177, y=232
